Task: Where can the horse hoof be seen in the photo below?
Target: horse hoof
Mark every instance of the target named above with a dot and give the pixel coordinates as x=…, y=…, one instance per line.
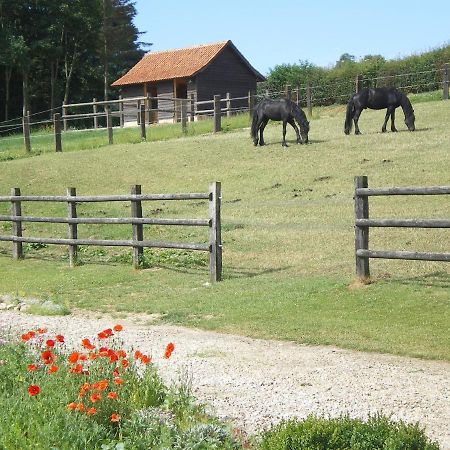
x=383, y=130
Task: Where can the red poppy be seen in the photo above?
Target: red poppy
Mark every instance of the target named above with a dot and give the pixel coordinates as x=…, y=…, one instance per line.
x=145, y=359
x=121, y=353
x=118, y=381
x=42, y=330
x=79, y=407
x=59, y=338
x=50, y=343
x=33, y=390
x=125, y=363
x=26, y=337
x=100, y=385
x=112, y=395
x=73, y=357
x=48, y=357
x=118, y=327
x=115, y=417
x=77, y=369
x=137, y=354
x=32, y=367
x=86, y=343
x=52, y=369
x=102, y=335
x=169, y=349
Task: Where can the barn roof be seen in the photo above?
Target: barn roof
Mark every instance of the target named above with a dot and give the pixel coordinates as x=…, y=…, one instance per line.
x=179, y=63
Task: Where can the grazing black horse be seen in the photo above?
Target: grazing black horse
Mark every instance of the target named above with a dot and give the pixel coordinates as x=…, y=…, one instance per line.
x=281, y=109
x=379, y=98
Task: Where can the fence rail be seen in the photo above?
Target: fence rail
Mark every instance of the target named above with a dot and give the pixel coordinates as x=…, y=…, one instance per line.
x=363, y=224
x=138, y=243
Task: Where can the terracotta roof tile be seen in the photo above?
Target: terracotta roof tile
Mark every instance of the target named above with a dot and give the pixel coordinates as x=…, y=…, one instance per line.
x=166, y=65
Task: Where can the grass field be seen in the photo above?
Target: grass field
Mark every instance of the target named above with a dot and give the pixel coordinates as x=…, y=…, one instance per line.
x=287, y=233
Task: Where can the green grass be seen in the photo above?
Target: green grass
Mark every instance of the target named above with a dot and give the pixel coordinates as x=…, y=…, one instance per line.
x=42, y=139
x=287, y=233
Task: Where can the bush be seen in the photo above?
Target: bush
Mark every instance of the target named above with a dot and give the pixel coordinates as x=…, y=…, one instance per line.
x=315, y=433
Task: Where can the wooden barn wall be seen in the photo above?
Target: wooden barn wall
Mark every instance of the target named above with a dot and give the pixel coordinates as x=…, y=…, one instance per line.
x=130, y=108
x=165, y=92
x=227, y=73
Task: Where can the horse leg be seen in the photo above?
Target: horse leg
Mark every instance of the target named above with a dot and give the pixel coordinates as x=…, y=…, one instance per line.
x=392, y=120
x=386, y=118
x=355, y=120
x=297, y=131
x=261, y=130
x=283, y=143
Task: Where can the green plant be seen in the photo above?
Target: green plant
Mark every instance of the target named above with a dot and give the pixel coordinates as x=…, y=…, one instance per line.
x=316, y=433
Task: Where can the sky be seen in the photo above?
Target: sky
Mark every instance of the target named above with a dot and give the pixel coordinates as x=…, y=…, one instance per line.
x=273, y=32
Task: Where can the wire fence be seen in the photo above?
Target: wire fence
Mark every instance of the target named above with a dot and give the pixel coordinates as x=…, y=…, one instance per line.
x=139, y=111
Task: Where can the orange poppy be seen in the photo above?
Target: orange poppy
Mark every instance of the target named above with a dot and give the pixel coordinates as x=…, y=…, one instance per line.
x=79, y=407
x=118, y=327
x=137, y=354
x=118, y=381
x=52, y=369
x=169, y=349
x=95, y=397
x=32, y=367
x=112, y=395
x=145, y=359
x=42, y=330
x=59, y=338
x=72, y=406
x=115, y=417
x=91, y=411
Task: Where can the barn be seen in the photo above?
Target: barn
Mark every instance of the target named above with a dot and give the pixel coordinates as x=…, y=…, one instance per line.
x=198, y=72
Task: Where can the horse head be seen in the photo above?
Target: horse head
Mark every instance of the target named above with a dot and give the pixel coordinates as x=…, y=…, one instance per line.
x=304, y=130
x=409, y=121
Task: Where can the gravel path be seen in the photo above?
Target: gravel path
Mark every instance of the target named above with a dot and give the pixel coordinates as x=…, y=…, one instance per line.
x=257, y=382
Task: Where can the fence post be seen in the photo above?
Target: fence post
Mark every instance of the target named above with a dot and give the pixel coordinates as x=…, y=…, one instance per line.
x=16, y=210
x=358, y=83
x=26, y=131
x=215, y=238
x=361, y=233
x=309, y=99
x=73, y=227
x=121, y=119
x=192, y=102
x=57, y=126
x=94, y=110
x=217, y=115
x=109, y=125
x=251, y=103
x=297, y=95
x=184, y=116
x=64, y=113
x=228, y=97
x=445, y=87
x=142, y=119
x=138, y=106
x=138, y=229
x=288, y=91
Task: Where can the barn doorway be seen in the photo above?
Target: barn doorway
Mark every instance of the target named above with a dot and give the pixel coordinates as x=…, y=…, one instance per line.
x=179, y=92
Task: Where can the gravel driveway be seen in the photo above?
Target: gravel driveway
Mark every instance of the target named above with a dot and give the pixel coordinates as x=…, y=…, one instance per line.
x=257, y=382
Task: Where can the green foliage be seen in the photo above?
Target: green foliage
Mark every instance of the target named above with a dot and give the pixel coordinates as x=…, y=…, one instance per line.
x=414, y=74
x=344, y=433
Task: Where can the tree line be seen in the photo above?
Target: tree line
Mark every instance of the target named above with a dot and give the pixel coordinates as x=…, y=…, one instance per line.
x=55, y=51
x=415, y=73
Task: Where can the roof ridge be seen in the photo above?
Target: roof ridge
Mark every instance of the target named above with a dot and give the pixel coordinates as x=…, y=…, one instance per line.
x=212, y=44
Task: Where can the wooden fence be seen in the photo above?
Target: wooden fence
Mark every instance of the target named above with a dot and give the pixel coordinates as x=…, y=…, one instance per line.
x=214, y=247
x=363, y=223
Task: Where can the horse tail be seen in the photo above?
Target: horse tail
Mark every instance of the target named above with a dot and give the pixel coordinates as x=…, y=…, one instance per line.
x=349, y=116
x=254, y=128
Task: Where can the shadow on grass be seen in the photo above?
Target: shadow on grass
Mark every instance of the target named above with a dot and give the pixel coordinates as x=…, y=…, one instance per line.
x=439, y=279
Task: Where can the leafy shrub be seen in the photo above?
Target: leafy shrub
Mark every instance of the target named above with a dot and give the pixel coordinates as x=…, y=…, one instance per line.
x=315, y=433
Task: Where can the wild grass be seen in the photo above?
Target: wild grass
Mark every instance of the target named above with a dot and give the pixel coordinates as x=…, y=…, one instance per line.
x=288, y=235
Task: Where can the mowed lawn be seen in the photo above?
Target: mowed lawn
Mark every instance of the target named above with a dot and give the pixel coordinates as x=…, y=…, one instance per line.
x=288, y=235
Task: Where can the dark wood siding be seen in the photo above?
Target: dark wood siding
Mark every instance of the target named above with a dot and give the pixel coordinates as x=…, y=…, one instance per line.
x=130, y=108
x=165, y=104
x=226, y=73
